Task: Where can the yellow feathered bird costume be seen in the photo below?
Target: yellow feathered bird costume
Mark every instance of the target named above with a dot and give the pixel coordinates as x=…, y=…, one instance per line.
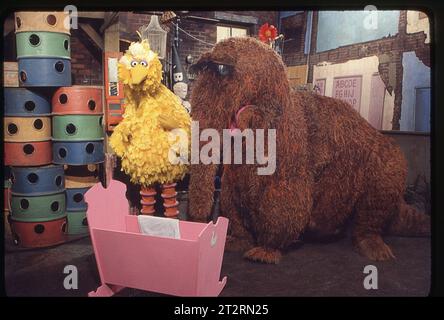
x=143, y=139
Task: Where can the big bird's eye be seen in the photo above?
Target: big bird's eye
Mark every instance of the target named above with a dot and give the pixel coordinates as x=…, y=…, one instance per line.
x=133, y=63
x=223, y=70
x=143, y=63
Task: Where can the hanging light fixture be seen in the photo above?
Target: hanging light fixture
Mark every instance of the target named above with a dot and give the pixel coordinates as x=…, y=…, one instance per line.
x=155, y=35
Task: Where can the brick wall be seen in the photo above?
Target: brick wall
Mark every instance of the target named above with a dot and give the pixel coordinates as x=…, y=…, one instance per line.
x=207, y=31
x=202, y=31
x=130, y=22
x=86, y=63
x=293, y=53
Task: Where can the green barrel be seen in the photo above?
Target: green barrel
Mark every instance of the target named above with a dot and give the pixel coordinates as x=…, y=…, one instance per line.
x=38, y=208
x=43, y=44
x=77, y=222
x=77, y=128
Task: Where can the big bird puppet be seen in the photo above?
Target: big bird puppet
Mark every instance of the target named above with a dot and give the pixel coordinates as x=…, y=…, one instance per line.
x=154, y=125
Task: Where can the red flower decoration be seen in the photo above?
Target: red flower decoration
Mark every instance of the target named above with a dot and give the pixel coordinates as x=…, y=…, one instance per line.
x=267, y=33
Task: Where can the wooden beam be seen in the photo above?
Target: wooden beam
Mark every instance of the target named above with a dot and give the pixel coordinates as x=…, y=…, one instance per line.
x=95, y=37
x=111, y=44
x=112, y=38
x=110, y=18
x=92, y=14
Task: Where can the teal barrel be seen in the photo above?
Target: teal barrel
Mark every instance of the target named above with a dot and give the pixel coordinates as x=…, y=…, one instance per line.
x=38, y=208
x=43, y=45
x=77, y=222
x=77, y=128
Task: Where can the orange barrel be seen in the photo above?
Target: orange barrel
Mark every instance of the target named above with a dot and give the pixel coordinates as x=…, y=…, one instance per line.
x=21, y=154
x=38, y=234
x=83, y=100
x=52, y=21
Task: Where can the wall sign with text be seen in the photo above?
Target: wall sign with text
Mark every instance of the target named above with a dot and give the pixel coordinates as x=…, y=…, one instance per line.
x=348, y=89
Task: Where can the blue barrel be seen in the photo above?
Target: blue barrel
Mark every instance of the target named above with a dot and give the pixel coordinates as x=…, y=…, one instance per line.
x=22, y=102
x=35, y=181
x=44, y=72
x=78, y=152
x=75, y=199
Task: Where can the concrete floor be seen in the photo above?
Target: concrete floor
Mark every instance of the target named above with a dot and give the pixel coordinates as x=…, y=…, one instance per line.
x=332, y=269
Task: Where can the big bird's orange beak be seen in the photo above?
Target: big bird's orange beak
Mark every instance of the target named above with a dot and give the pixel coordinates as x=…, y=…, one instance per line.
x=138, y=74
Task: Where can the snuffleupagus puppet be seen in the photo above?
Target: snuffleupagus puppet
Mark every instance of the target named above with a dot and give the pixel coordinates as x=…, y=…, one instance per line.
x=331, y=165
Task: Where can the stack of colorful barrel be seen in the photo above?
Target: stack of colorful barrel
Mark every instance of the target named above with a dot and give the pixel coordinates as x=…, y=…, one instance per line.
x=43, y=49
x=78, y=179
x=78, y=143
x=38, y=216
x=27, y=129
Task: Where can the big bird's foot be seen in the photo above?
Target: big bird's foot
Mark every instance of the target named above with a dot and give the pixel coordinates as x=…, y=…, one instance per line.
x=170, y=203
x=148, y=201
x=261, y=254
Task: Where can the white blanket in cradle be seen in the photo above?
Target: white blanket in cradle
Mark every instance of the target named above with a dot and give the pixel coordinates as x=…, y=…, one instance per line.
x=159, y=226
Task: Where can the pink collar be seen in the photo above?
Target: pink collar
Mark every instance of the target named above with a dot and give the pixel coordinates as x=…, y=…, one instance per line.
x=233, y=124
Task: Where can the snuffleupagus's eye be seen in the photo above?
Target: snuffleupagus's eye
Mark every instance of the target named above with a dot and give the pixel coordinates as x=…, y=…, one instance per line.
x=223, y=70
x=133, y=63
x=143, y=63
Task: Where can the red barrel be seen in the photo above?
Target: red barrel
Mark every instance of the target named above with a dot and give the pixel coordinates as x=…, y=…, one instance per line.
x=36, y=153
x=39, y=234
x=85, y=100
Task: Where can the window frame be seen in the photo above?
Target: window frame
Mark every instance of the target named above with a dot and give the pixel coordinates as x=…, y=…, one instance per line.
x=231, y=26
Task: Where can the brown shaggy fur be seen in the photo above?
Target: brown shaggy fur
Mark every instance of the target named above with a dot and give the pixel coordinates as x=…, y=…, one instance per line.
x=331, y=164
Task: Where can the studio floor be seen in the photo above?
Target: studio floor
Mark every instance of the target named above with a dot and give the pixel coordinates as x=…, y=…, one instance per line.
x=332, y=269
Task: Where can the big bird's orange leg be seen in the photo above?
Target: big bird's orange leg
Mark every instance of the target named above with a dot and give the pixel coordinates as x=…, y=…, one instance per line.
x=170, y=203
x=148, y=200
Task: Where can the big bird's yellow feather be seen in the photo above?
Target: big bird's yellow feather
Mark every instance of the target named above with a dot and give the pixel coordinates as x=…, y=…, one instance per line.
x=148, y=131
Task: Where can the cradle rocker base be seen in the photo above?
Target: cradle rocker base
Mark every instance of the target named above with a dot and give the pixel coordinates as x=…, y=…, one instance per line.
x=105, y=291
x=108, y=290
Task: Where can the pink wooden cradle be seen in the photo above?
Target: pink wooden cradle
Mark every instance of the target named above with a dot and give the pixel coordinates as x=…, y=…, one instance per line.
x=189, y=266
